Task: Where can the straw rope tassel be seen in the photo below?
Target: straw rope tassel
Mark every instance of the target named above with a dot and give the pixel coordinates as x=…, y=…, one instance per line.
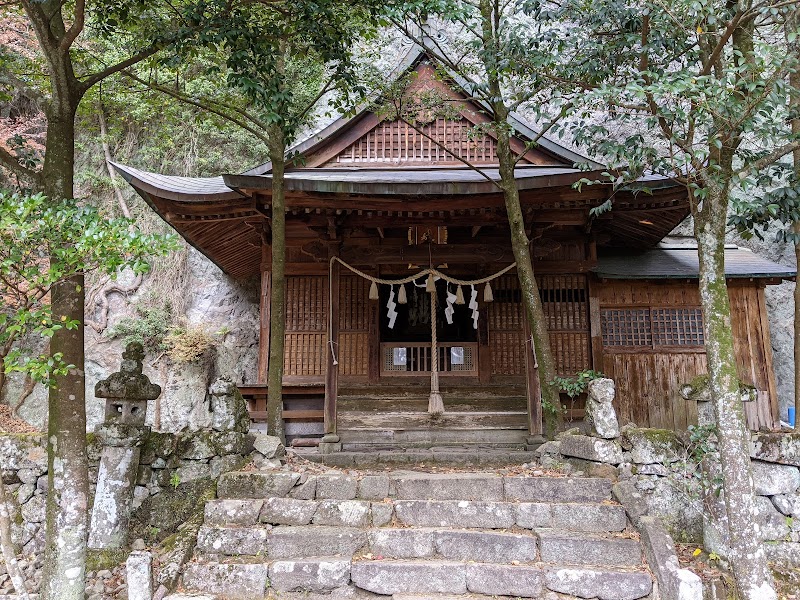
x=435, y=402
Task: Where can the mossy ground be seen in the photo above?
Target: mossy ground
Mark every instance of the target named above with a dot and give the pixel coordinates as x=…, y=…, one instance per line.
x=160, y=516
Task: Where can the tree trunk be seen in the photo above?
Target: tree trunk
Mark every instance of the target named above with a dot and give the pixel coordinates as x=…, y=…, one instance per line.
x=744, y=534
x=277, y=315
x=68, y=486
x=123, y=206
x=520, y=246
x=7, y=546
x=794, y=106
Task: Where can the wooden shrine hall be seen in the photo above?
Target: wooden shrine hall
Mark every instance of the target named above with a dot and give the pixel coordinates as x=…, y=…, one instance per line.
x=389, y=201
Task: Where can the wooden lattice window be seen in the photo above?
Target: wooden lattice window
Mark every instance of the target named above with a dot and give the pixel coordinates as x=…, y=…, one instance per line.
x=651, y=327
x=626, y=327
x=677, y=326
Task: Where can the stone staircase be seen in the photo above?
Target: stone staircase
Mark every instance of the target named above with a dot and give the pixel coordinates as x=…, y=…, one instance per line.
x=416, y=535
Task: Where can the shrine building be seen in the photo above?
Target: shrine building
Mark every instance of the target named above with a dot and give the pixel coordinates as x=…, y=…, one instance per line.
x=387, y=201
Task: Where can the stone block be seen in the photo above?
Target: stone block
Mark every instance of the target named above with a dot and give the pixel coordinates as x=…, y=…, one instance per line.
x=429, y=577
x=336, y=487
x=305, y=490
x=784, y=553
x=771, y=479
x=600, y=413
x=601, y=584
x=505, y=580
x=401, y=543
x=584, y=549
x=589, y=517
x=314, y=540
x=674, y=583
x=589, y=448
x=287, y=511
x=23, y=451
x=139, y=575
x=533, y=515
x=192, y=470
x=234, y=581
x=552, y=447
x=485, y=546
x=783, y=448
x=651, y=446
x=454, y=513
x=113, y=497
x=268, y=445
x=314, y=575
x=633, y=500
x=449, y=486
x=382, y=513
x=33, y=511
x=228, y=408
x=373, y=487
x=232, y=512
x=557, y=489
x=232, y=541
x=253, y=484
x=342, y=513
x=773, y=524
x=788, y=504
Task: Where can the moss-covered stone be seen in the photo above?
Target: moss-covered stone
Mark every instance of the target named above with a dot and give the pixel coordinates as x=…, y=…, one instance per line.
x=98, y=560
x=158, y=445
x=650, y=446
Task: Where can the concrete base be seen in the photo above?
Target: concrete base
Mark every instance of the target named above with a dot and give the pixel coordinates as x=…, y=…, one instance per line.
x=329, y=447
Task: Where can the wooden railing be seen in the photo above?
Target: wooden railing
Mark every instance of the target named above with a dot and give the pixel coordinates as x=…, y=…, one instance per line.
x=414, y=358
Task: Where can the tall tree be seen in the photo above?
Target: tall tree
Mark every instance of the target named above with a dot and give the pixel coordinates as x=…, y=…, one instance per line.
x=501, y=56
x=250, y=35
x=699, y=87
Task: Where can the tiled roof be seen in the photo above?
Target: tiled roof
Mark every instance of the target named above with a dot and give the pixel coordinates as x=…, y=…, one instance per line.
x=682, y=263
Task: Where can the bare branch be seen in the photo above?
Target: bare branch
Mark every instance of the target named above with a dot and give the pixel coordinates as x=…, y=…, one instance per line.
x=770, y=158
x=120, y=66
x=10, y=162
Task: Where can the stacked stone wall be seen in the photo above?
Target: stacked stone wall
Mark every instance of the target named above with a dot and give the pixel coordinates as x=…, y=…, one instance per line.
x=166, y=460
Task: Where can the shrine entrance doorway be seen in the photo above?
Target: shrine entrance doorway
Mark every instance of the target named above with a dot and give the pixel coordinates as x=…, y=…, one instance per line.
x=405, y=332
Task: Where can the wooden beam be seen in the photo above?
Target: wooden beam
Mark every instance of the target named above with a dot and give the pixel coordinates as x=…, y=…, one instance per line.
x=332, y=371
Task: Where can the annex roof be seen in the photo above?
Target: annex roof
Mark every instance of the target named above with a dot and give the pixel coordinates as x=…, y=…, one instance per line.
x=681, y=262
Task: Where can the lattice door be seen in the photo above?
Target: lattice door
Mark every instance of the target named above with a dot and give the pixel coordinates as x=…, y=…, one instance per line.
x=353, y=326
x=306, y=325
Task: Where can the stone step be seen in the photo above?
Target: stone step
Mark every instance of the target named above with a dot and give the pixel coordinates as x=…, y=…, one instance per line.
x=404, y=421
x=558, y=547
x=432, y=436
x=471, y=514
x=431, y=579
x=240, y=485
x=448, y=542
x=379, y=456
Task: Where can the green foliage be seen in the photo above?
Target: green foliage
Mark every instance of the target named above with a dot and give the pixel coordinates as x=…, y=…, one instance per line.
x=149, y=327
x=175, y=480
x=576, y=385
x=45, y=243
x=702, y=441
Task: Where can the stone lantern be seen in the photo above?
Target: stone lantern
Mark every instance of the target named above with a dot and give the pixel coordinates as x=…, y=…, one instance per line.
x=128, y=391
x=122, y=433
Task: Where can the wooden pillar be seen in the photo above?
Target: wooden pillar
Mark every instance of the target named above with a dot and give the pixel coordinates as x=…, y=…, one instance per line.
x=534, y=386
x=264, y=313
x=484, y=349
x=374, y=342
x=332, y=371
x=595, y=331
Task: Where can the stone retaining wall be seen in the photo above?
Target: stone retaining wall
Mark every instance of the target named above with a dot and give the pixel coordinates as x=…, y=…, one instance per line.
x=676, y=475
x=166, y=460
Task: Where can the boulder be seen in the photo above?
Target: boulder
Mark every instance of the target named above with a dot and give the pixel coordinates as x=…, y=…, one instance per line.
x=228, y=408
x=783, y=448
x=269, y=445
x=773, y=524
x=651, y=446
x=788, y=504
x=600, y=413
x=590, y=448
x=771, y=479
